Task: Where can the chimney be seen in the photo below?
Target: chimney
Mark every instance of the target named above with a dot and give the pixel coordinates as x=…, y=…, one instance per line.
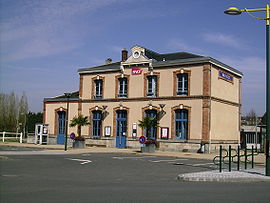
x=108, y=61
x=124, y=55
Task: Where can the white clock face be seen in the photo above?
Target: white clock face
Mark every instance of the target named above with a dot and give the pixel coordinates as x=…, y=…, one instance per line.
x=136, y=54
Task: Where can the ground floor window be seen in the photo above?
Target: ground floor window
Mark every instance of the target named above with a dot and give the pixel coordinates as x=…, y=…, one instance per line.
x=153, y=130
x=181, y=124
x=96, y=123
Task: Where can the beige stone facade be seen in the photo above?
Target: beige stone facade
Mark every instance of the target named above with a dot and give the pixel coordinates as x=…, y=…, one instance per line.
x=196, y=99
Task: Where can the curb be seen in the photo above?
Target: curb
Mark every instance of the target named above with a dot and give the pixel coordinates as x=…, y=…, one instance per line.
x=246, y=180
x=215, y=176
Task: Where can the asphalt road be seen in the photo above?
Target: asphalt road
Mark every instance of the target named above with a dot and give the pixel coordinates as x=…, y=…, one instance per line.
x=115, y=178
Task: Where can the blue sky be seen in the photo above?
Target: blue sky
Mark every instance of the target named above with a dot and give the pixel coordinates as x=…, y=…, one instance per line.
x=44, y=42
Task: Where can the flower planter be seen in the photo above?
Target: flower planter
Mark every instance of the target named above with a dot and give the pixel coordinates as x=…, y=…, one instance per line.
x=77, y=144
x=149, y=148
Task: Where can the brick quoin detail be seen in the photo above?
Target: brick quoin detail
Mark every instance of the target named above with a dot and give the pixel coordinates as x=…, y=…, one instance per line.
x=206, y=109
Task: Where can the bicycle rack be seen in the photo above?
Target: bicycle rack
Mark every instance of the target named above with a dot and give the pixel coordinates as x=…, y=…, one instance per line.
x=234, y=156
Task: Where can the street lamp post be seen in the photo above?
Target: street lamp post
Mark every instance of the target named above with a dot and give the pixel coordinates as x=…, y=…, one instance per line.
x=67, y=95
x=236, y=11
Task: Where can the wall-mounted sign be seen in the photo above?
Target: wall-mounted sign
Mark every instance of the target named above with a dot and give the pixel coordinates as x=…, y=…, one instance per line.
x=164, y=133
x=136, y=71
x=134, y=130
x=225, y=76
x=107, y=131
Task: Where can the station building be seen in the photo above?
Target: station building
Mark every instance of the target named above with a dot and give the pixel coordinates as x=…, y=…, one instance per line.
x=196, y=99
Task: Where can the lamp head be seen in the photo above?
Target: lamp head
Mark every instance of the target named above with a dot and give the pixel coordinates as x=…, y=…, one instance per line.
x=233, y=11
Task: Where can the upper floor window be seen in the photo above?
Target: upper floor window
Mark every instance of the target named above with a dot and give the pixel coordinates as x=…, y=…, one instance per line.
x=98, y=88
x=152, y=86
x=182, y=84
x=122, y=87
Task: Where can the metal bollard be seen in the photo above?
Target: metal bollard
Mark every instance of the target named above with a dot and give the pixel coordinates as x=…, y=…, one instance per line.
x=252, y=157
x=4, y=136
x=238, y=158
x=21, y=135
x=230, y=158
x=246, y=158
x=220, y=158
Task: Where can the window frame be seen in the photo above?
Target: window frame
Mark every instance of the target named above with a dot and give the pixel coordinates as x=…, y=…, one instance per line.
x=181, y=123
x=182, y=84
x=146, y=84
x=173, y=115
x=101, y=81
x=118, y=79
x=176, y=82
x=96, y=122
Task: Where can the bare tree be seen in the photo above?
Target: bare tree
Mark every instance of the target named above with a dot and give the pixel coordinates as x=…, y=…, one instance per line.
x=251, y=117
x=12, y=111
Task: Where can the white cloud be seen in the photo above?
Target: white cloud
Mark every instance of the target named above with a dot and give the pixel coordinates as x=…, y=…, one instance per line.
x=246, y=64
x=223, y=39
x=42, y=28
x=183, y=46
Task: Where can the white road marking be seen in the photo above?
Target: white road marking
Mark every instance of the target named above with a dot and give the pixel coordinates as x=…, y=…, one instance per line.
x=131, y=157
x=81, y=160
x=168, y=160
x=202, y=164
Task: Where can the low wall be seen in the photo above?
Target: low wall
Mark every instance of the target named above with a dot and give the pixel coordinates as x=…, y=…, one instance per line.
x=104, y=142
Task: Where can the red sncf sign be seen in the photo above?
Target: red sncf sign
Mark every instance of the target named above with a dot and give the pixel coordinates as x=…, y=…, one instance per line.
x=136, y=71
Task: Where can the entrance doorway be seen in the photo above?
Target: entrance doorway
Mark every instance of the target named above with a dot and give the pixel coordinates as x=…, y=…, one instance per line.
x=61, y=127
x=121, y=128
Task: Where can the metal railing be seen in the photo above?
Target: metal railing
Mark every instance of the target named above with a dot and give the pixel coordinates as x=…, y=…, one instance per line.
x=232, y=156
x=10, y=135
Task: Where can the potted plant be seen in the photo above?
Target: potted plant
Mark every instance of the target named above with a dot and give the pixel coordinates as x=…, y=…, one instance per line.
x=146, y=124
x=78, y=139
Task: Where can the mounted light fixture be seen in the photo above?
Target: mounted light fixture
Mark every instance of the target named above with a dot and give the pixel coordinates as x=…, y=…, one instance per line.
x=236, y=11
x=233, y=11
x=121, y=105
x=162, y=106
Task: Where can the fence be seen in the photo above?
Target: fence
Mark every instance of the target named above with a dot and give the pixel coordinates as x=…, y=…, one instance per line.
x=228, y=157
x=10, y=135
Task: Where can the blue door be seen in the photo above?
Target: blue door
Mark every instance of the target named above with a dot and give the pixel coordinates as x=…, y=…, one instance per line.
x=121, y=128
x=153, y=131
x=61, y=127
x=181, y=124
